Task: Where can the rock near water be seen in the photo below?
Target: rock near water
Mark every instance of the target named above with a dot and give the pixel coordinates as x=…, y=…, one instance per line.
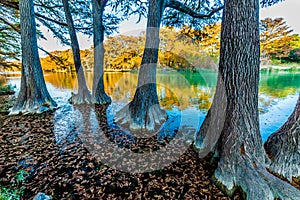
x=42, y=196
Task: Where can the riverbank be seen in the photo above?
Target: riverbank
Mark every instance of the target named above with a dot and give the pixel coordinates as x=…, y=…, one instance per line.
x=279, y=67
x=67, y=170
x=262, y=68
x=6, y=102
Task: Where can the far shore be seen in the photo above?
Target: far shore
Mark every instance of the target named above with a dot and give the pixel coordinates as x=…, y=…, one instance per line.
x=262, y=67
x=279, y=67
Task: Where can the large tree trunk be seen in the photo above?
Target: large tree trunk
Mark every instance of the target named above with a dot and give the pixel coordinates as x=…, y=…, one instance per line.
x=83, y=95
x=242, y=158
x=33, y=96
x=283, y=146
x=144, y=112
x=99, y=95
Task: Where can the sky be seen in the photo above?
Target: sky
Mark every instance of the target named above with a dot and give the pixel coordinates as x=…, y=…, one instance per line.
x=288, y=9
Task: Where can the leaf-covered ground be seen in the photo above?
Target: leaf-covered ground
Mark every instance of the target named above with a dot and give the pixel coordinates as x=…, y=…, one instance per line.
x=68, y=171
x=6, y=102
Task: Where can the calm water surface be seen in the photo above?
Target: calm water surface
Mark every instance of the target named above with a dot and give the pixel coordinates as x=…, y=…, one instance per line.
x=188, y=93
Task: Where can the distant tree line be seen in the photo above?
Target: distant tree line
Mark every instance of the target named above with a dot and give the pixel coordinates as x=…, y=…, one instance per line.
x=178, y=50
x=278, y=41
x=198, y=48
x=184, y=48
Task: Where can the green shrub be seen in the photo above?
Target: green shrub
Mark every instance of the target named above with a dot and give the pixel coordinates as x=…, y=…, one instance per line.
x=15, y=192
x=275, y=61
x=7, y=89
x=295, y=55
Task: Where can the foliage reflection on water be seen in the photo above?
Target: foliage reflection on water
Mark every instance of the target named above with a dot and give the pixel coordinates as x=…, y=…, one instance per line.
x=187, y=88
x=192, y=92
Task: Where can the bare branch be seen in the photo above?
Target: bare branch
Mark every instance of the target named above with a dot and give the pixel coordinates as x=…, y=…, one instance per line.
x=49, y=19
x=9, y=24
x=185, y=9
x=43, y=50
x=58, y=22
x=15, y=5
x=48, y=7
x=10, y=4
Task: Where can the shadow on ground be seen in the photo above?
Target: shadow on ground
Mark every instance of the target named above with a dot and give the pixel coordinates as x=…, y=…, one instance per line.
x=65, y=169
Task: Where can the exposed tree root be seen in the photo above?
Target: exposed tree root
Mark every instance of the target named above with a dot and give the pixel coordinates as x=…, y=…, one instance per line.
x=30, y=106
x=147, y=122
x=254, y=180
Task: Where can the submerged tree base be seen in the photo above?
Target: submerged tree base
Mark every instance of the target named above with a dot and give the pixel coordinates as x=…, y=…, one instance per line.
x=284, y=153
x=83, y=97
x=144, y=124
x=143, y=114
x=283, y=147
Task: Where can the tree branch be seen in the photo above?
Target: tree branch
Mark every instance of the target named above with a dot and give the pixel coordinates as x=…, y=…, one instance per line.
x=10, y=4
x=58, y=22
x=15, y=5
x=187, y=10
x=45, y=51
x=49, y=19
x=48, y=7
x=56, y=59
x=9, y=24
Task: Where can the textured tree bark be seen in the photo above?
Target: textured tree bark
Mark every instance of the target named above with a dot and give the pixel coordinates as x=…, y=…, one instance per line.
x=239, y=147
x=99, y=95
x=33, y=96
x=144, y=112
x=83, y=95
x=283, y=146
